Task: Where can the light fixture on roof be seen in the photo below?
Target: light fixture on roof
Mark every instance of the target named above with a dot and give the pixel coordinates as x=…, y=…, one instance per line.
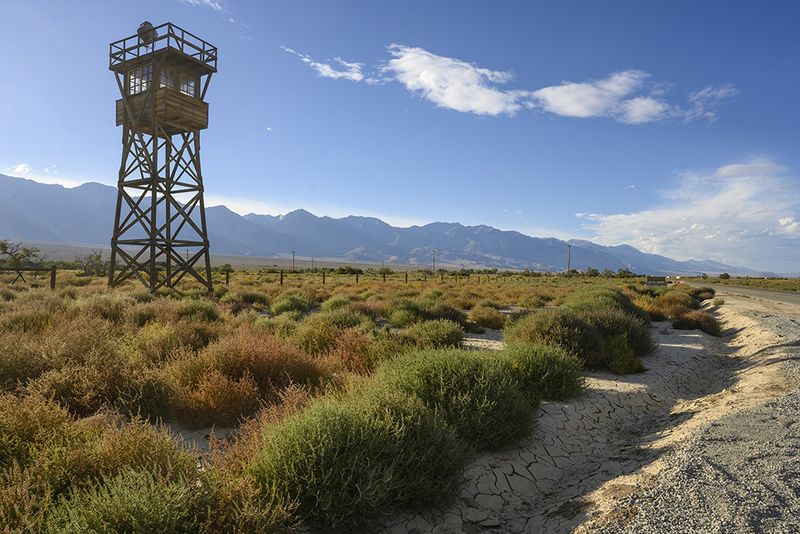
x=146, y=33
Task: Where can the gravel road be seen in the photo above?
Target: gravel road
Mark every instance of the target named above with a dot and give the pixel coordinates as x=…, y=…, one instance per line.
x=741, y=473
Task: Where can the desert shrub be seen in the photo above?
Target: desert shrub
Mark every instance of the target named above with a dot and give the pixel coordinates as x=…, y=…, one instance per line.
x=27, y=422
x=487, y=317
x=315, y=335
x=701, y=293
x=401, y=318
x=440, y=310
x=272, y=364
x=610, y=322
x=562, y=328
x=488, y=303
x=110, y=306
x=7, y=294
x=292, y=301
x=105, y=444
x=131, y=501
x=472, y=391
x=142, y=313
x=25, y=499
x=199, y=310
x=108, y=382
x=283, y=325
x=26, y=319
x=20, y=360
x=236, y=504
x=335, y=302
x=718, y=302
x=622, y=359
x=544, y=371
x=347, y=461
x=438, y=333
x=216, y=398
x=648, y=304
x=594, y=298
x=346, y=318
x=698, y=320
x=533, y=302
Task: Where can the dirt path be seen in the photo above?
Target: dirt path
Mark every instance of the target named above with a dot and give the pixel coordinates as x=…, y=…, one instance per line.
x=590, y=460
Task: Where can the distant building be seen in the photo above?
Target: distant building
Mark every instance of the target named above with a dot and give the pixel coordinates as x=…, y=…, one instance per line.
x=656, y=281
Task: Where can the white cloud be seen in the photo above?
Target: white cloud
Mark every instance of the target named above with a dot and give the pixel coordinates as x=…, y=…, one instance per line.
x=627, y=96
x=216, y=5
x=601, y=98
x=21, y=169
x=339, y=69
x=453, y=83
x=743, y=213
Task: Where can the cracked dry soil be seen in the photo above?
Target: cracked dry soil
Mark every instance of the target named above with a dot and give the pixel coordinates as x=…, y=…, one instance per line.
x=704, y=441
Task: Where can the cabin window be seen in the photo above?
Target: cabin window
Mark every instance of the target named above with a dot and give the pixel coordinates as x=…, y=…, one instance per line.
x=168, y=78
x=139, y=79
x=188, y=85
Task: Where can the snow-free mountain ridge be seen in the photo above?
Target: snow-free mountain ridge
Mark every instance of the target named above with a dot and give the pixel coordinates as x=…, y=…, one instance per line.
x=34, y=211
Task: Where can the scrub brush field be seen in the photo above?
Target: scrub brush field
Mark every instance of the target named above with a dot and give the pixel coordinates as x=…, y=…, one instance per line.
x=330, y=406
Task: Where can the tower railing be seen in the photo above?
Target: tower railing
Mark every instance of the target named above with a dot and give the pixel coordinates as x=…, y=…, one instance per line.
x=167, y=35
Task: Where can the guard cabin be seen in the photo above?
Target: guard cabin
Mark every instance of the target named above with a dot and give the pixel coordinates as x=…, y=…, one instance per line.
x=163, y=72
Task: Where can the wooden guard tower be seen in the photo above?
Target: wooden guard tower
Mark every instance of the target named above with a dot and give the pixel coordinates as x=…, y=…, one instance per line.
x=160, y=232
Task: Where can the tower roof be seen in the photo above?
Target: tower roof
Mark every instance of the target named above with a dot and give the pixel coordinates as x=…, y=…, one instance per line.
x=167, y=37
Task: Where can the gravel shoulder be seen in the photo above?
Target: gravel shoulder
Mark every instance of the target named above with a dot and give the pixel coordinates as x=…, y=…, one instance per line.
x=710, y=420
x=740, y=470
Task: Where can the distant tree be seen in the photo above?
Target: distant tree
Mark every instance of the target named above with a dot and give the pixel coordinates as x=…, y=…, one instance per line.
x=724, y=276
x=704, y=276
x=591, y=272
x=385, y=270
x=16, y=256
x=349, y=270
x=92, y=264
x=225, y=268
x=624, y=273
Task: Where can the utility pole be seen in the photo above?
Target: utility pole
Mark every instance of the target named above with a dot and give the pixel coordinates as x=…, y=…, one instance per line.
x=434, y=261
x=569, y=257
x=293, y=260
x=312, y=263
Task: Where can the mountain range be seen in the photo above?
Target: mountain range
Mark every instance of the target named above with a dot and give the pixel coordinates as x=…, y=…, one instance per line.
x=83, y=215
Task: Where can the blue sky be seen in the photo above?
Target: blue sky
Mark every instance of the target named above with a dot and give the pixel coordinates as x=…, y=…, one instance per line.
x=670, y=126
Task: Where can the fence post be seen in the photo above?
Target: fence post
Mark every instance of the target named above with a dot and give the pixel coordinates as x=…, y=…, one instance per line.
x=323, y=278
x=356, y=278
x=384, y=276
x=281, y=276
x=424, y=277
x=442, y=276
x=53, y=277
x=227, y=278
x=406, y=278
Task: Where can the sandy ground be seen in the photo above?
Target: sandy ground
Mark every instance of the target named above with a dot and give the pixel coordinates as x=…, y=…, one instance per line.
x=589, y=456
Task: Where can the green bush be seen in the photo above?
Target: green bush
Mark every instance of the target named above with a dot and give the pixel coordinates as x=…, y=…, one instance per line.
x=622, y=360
x=292, y=301
x=347, y=461
x=610, y=322
x=593, y=298
x=199, y=309
x=698, y=320
x=335, y=302
x=562, y=328
x=473, y=391
x=401, y=318
x=438, y=333
x=487, y=317
x=545, y=372
x=131, y=501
